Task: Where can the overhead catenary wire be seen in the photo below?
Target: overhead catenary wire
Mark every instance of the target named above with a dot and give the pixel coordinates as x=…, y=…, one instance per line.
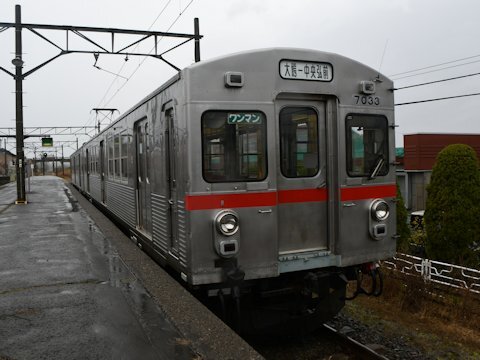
x=437, y=81
x=437, y=99
x=136, y=46
x=145, y=58
x=383, y=56
x=437, y=65
x=437, y=70
x=124, y=63
x=109, y=72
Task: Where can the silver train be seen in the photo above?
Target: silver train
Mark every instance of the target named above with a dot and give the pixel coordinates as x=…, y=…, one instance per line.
x=266, y=175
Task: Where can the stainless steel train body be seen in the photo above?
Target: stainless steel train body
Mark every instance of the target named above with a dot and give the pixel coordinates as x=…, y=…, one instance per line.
x=276, y=163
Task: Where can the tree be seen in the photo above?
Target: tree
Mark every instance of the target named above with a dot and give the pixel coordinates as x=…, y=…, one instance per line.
x=403, y=230
x=452, y=214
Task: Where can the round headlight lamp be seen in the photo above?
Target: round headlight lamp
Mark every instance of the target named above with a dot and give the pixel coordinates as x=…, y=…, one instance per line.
x=380, y=210
x=227, y=223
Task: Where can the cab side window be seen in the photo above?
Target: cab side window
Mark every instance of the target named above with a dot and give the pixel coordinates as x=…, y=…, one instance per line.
x=367, y=145
x=234, y=146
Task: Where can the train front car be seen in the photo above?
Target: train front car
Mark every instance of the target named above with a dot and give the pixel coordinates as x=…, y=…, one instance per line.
x=291, y=186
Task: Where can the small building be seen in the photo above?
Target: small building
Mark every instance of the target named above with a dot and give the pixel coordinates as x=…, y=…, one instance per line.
x=7, y=166
x=420, y=154
x=7, y=161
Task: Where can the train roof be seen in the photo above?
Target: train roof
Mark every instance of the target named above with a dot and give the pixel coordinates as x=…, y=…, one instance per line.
x=261, y=58
x=267, y=73
x=285, y=53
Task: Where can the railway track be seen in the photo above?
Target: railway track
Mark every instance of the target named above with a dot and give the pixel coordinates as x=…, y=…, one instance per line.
x=360, y=350
x=324, y=343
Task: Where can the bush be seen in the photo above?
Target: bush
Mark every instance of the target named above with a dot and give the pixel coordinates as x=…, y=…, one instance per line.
x=452, y=214
x=418, y=241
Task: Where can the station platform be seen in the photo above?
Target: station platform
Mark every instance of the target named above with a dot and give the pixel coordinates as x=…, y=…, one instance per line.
x=73, y=286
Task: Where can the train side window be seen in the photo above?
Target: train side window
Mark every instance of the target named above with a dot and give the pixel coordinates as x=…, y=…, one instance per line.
x=116, y=142
x=124, y=140
x=299, y=142
x=97, y=169
x=147, y=152
x=92, y=160
x=110, y=156
x=367, y=145
x=234, y=146
x=91, y=156
x=74, y=170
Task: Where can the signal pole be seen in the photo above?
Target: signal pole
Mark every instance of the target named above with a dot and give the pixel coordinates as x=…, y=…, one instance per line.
x=5, y=157
x=18, y=63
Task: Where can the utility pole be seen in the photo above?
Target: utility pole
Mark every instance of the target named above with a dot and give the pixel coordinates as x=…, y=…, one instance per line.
x=34, y=160
x=43, y=165
x=5, y=156
x=55, y=165
x=196, y=26
x=18, y=63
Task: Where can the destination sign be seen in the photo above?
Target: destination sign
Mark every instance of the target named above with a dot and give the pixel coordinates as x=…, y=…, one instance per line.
x=302, y=70
x=244, y=118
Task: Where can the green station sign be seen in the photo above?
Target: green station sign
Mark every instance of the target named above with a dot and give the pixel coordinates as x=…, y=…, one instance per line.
x=47, y=142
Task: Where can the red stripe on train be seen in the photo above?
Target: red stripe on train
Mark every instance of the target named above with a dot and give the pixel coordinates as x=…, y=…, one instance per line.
x=304, y=195
x=368, y=192
x=206, y=202
x=271, y=198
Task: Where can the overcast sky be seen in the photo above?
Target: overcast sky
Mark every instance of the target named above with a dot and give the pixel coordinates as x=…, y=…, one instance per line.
x=393, y=36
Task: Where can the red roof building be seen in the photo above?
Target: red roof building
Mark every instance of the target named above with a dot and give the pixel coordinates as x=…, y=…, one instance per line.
x=421, y=150
x=420, y=154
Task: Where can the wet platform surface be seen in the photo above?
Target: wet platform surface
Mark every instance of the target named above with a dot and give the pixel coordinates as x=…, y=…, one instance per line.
x=66, y=292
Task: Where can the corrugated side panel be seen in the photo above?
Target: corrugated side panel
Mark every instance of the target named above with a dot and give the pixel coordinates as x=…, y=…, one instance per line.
x=121, y=201
x=95, y=183
x=182, y=233
x=160, y=222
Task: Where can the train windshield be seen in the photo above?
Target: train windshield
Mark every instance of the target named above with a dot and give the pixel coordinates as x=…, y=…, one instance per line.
x=234, y=146
x=367, y=145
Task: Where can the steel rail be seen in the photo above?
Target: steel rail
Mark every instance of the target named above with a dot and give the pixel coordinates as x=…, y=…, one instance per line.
x=363, y=351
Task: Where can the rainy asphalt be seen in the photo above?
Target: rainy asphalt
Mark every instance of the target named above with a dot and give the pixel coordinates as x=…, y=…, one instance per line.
x=73, y=287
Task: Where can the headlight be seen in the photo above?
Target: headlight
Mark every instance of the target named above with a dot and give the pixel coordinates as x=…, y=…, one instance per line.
x=380, y=210
x=227, y=223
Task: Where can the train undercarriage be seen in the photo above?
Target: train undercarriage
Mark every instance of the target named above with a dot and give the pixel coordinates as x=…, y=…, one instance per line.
x=293, y=302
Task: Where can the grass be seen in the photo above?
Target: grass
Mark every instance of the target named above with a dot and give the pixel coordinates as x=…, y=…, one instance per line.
x=443, y=322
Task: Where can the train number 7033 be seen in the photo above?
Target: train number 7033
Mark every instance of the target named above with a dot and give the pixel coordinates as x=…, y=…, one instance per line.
x=367, y=100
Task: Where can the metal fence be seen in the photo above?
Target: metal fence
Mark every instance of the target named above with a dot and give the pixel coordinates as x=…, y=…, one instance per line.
x=435, y=271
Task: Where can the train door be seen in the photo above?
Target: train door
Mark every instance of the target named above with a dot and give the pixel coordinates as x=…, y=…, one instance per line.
x=144, y=212
x=171, y=180
x=88, y=170
x=302, y=180
x=102, y=171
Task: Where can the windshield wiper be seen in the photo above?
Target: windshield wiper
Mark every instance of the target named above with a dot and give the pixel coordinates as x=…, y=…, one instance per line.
x=378, y=166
